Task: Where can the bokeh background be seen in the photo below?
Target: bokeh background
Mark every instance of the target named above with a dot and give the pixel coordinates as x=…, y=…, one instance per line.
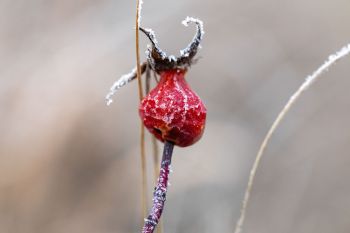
x=69, y=163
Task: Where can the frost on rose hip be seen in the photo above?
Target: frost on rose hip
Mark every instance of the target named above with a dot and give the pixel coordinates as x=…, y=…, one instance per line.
x=172, y=111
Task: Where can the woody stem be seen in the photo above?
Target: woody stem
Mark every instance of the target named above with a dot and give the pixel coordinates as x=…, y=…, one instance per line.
x=159, y=195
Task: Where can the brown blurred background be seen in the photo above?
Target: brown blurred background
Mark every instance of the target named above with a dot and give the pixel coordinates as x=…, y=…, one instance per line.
x=69, y=163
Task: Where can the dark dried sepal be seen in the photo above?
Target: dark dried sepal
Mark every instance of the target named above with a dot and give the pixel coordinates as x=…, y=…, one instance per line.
x=158, y=59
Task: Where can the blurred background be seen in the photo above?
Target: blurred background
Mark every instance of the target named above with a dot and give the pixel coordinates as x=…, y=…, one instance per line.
x=69, y=163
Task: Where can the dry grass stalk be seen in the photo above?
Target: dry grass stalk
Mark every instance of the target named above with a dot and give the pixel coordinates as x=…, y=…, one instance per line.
x=307, y=83
x=142, y=133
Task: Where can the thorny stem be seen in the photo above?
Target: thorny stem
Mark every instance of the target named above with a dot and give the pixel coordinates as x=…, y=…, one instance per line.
x=159, y=195
x=332, y=59
x=142, y=133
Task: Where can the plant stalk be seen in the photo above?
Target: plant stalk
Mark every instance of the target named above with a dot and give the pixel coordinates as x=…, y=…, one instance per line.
x=142, y=133
x=159, y=195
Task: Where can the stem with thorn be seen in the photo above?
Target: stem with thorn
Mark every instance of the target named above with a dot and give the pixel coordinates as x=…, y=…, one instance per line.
x=159, y=195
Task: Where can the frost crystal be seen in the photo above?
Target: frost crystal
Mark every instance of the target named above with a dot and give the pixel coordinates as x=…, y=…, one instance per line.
x=125, y=79
x=193, y=20
x=331, y=59
x=197, y=38
x=139, y=12
x=172, y=58
x=152, y=35
x=292, y=100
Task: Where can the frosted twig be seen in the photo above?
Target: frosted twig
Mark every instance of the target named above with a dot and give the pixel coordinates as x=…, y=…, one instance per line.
x=307, y=83
x=122, y=81
x=159, y=195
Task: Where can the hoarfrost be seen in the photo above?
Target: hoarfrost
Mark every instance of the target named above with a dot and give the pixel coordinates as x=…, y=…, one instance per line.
x=125, y=79
x=186, y=52
x=172, y=58
x=139, y=12
x=332, y=59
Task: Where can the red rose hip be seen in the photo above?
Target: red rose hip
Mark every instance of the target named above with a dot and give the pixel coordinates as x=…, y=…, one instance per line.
x=172, y=111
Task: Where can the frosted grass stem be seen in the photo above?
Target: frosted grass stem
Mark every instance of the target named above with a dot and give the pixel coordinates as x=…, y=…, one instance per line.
x=307, y=83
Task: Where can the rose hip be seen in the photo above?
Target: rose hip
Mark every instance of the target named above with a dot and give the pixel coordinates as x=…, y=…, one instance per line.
x=172, y=111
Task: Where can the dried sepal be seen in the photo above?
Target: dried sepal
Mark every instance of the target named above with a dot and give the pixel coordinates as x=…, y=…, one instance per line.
x=158, y=59
x=122, y=81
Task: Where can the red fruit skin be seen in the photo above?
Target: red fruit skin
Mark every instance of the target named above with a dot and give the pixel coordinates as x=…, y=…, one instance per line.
x=172, y=111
